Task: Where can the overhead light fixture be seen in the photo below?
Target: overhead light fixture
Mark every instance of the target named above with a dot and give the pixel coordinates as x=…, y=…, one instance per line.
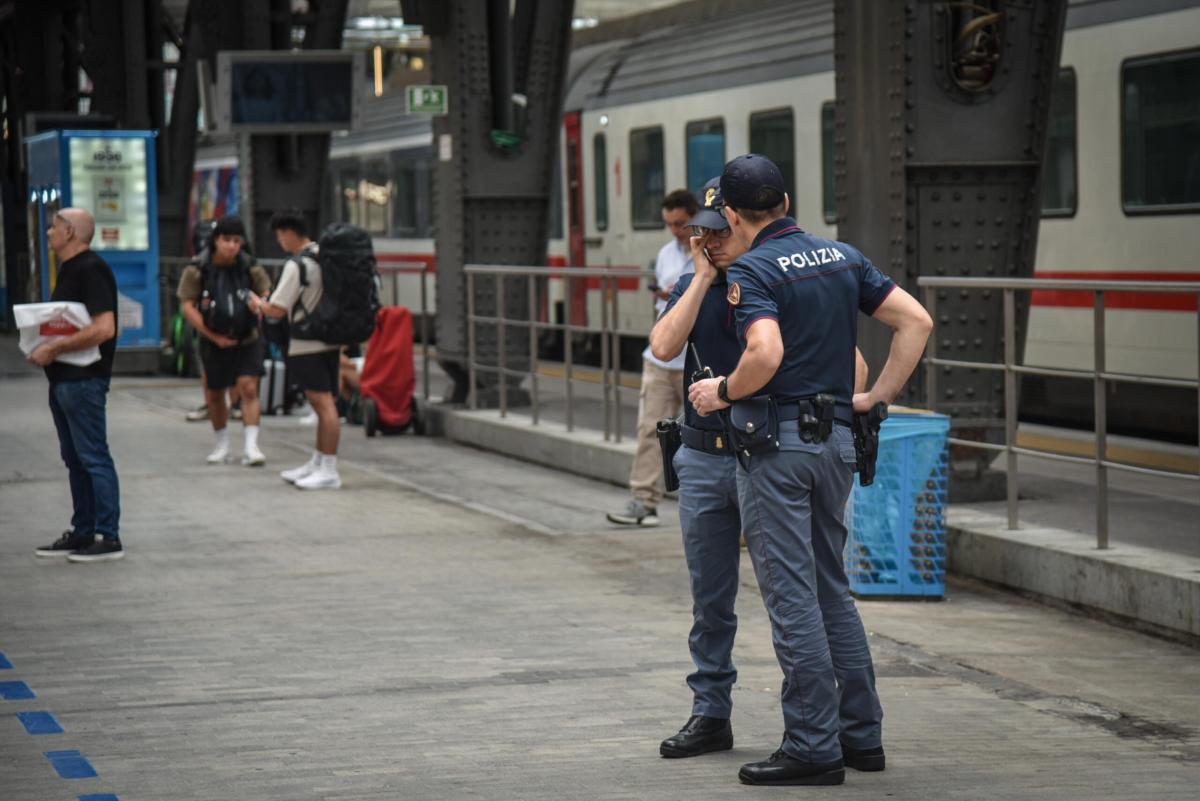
x=378, y=51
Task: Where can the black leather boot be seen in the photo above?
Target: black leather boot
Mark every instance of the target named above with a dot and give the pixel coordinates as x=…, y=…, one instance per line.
x=780, y=768
x=700, y=735
x=868, y=760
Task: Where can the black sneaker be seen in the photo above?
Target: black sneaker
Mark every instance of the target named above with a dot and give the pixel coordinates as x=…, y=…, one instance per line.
x=63, y=545
x=99, y=551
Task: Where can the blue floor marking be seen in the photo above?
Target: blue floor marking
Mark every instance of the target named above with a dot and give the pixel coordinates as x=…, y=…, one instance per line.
x=71, y=765
x=39, y=723
x=4, y=663
x=15, y=691
x=100, y=797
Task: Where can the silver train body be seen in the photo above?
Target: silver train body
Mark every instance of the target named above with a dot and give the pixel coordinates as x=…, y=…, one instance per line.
x=665, y=109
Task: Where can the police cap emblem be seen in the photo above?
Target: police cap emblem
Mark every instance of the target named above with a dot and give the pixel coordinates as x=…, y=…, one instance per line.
x=709, y=197
x=734, y=295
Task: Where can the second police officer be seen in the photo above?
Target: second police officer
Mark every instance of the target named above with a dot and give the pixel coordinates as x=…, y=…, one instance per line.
x=698, y=320
x=796, y=299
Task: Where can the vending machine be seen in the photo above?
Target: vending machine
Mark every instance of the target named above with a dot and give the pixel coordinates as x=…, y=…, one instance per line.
x=112, y=175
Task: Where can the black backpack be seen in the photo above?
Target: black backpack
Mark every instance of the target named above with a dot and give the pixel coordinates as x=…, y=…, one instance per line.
x=345, y=314
x=223, y=301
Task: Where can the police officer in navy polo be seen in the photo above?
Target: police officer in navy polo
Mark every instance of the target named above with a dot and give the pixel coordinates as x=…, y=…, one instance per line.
x=797, y=299
x=698, y=320
x=697, y=314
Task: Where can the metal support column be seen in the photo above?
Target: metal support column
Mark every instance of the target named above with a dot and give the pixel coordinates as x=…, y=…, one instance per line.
x=1101, y=399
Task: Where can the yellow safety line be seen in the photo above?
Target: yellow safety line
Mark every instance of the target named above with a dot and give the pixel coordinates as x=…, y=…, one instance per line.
x=1127, y=454
x=585, y=374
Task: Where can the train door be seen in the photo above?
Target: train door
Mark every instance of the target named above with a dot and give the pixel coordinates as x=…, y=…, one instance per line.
x=573, y=182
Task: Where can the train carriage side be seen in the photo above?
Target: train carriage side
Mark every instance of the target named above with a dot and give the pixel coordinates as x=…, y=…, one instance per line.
x=1129, y=92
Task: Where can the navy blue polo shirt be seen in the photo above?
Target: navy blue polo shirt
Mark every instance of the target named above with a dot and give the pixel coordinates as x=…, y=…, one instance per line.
x=814, y=288
x=715, y=337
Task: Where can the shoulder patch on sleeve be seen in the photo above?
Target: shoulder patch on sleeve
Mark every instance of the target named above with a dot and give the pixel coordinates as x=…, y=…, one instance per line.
x=734, y=296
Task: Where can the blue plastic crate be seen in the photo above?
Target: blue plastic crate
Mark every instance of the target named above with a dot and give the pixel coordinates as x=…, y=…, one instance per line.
x=897, y=526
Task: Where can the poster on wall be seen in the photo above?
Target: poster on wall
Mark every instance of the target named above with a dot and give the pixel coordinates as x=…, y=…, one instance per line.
x=110, y=174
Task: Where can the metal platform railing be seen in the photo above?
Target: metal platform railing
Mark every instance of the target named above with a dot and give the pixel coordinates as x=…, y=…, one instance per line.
x=170, y=268
x=609, y=332
x=1099, y=375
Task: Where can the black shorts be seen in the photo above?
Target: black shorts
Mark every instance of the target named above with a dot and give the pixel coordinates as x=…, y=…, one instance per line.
x=223, y=366
x=315, y=372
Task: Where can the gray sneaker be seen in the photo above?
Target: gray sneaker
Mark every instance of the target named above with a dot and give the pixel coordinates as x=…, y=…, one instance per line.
x=635, y=513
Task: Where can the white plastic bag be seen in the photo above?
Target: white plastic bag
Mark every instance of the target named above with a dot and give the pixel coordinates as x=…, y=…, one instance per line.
x=40, y=323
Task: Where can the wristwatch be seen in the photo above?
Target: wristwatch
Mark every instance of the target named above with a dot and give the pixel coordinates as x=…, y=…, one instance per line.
x=723, y=391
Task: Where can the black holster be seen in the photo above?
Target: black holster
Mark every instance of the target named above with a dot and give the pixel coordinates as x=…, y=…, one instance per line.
x=753, y=427
x=669, y=440
x=866, y=442
x=816, y=423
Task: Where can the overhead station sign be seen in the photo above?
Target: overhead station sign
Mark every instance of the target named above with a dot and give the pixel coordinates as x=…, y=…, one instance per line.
x=427, y=99
x=285, y=92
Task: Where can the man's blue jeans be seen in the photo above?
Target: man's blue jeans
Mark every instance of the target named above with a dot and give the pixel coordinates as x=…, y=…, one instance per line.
x=79, y=416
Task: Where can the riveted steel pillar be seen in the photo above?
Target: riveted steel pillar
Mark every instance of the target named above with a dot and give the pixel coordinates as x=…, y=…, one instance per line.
x=492, y=187
x=941, y=119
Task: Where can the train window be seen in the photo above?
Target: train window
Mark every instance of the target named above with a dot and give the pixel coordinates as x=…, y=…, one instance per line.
x=647, y=178
x=408, y=174
x=350, y=206
x=828, y=187
x=705, y=152
x=1160, y=133
x=376, y=190
x=556, y=202
x=600, y=180
x=773, y=134
x=1059, y=186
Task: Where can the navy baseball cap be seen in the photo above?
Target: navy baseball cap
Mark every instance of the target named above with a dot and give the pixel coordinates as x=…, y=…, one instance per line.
x=709, y=215
x=752, y=182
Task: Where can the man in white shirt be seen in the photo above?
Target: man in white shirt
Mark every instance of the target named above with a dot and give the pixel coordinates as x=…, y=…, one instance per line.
x=311, y=364
x=662, y=382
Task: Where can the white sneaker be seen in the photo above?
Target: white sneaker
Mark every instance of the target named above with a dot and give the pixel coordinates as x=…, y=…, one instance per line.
x=297, y=473
x=253, y=457
x=309, y=419
x=320, y=478
x=219, y=455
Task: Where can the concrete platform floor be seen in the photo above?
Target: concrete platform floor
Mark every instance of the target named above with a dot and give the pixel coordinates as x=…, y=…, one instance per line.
x=455, y=625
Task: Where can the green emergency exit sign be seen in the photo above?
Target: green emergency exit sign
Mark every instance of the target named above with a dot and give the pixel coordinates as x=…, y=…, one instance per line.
x=426, y=99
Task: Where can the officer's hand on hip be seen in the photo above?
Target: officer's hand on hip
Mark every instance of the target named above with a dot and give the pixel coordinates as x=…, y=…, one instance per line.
x=864, y=402
x=703, y=396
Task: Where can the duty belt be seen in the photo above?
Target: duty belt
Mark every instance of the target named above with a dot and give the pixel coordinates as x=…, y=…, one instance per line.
x=795, y=408
x=698, y=439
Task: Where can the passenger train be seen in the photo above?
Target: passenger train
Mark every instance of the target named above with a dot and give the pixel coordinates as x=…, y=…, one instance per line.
x=665, y=109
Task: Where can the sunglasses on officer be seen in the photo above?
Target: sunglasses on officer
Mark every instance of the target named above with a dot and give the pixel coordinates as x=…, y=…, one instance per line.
x=719, y=233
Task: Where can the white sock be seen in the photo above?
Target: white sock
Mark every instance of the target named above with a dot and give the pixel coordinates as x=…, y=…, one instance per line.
x=315, y=459
x=222, y=438
x=328, y=461
x=251, y=437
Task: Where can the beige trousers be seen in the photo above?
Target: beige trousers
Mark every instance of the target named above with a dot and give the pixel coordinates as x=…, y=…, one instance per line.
x=661, y=397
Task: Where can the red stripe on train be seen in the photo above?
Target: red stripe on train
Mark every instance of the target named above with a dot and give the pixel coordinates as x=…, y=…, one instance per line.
x=1141, y=301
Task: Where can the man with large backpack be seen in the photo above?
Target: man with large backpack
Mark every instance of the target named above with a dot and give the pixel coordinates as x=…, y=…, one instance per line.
x=213, y=295
x=311, y=363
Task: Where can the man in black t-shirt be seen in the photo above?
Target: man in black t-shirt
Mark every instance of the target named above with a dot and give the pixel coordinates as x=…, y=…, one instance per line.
x=78, y=394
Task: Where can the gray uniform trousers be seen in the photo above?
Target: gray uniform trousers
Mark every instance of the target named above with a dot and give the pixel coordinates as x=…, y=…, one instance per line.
x=708, y=514
x=792, y=503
